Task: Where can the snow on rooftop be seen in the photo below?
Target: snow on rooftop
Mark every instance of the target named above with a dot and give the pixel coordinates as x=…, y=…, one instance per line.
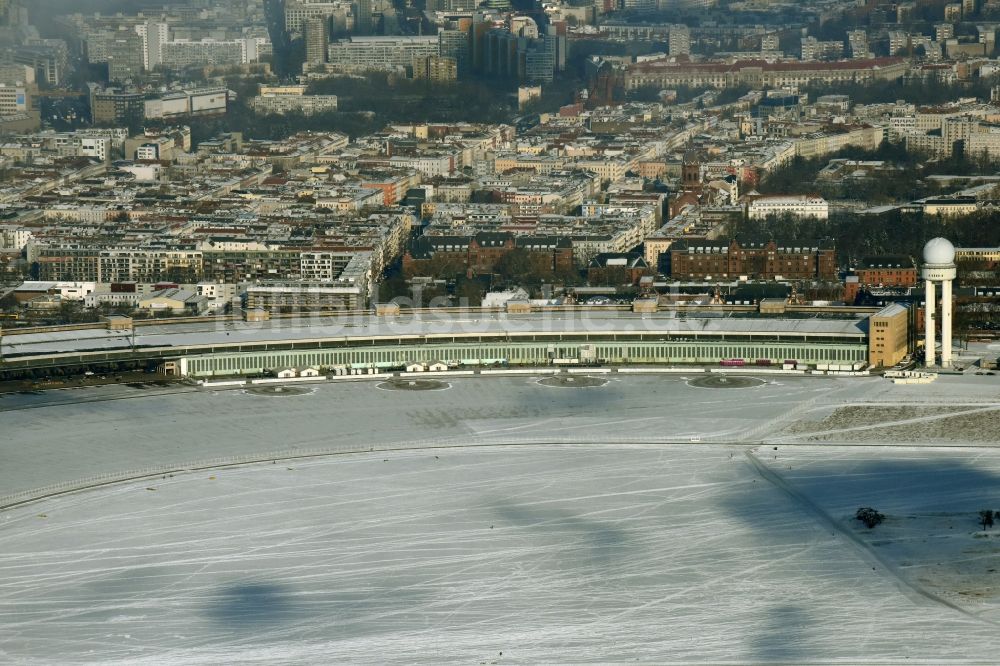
x=231, y=332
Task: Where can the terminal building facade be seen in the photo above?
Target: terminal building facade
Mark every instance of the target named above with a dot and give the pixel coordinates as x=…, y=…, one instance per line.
x=537, y=353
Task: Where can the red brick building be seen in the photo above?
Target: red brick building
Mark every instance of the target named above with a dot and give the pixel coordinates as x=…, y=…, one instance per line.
x=700, y=260
x=482, y=253
x=885, y=271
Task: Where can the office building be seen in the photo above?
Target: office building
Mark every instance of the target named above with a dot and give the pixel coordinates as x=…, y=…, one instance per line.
x=363, y=17
x=381, y=53
x=317, y=39
x=114, y=106
x=453, y=43
x=297, y=12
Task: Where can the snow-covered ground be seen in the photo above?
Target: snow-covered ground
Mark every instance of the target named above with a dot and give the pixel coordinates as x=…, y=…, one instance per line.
x=580, y=535
x=954, y=410
x=931, y=537
x=64, y=435
x=546, y=554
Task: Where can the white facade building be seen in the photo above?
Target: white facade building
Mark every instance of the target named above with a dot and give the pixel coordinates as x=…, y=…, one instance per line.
x=796, y=205
x=14, y=238
x=67, y=291
x=154, y=35
x=187, y=102
x=429, y=165
x=13, y=100
x=113, y=298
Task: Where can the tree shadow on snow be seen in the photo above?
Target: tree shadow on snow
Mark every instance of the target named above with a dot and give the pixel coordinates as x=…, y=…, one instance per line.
x=593, y=543
x=907, y=486
x=251, y=605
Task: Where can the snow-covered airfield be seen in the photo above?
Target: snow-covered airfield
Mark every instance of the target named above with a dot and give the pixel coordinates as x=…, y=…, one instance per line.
x=646, y=519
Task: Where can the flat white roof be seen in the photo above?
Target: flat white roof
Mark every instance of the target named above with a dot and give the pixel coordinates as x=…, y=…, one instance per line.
x=364, y=326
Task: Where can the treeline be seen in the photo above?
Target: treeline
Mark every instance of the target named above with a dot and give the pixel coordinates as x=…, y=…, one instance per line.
x=240, y=118
x=894, y=232
x=366, y=104
x=405, y=100
x=925, y=93
x=687, y=94
x=904, y=183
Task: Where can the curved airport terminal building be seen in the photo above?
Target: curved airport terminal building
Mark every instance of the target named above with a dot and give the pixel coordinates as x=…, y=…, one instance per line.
x=472, y=339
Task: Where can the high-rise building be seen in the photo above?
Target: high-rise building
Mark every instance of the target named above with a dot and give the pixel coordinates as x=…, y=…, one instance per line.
x=478, y=43
x=47, y=57
x=539, y=60
x=455, y=44
x=297, y=11
x=557, y=32
x=125, y=60
x=154, y=35
x=363, y=17
x=317, y=39
x=857, y=41
x=679, y=40
x=508, y=55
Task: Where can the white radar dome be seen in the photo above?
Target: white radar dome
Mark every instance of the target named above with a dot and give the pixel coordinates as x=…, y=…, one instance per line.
x=939, y=251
